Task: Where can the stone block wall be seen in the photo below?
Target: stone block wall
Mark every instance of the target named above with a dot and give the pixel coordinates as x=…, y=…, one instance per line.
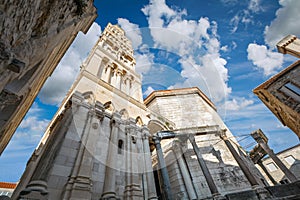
x=34, y=35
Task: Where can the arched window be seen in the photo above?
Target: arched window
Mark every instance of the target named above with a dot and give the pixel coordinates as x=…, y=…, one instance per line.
x=102, y=66
x=120, y=146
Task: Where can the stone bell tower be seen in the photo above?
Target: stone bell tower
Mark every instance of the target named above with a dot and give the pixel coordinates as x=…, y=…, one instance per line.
x=96, y=146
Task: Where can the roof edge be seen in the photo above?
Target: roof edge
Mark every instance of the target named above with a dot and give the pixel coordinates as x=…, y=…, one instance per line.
x=178, y=91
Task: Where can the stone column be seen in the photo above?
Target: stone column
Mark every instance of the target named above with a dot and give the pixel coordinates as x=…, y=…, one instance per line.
x=262, y=140
x=238, y=159
x=132, y=187
x=184, y=171
x=267, y=172
x=148, y=165
x=278, y=162
x=113, y=80
x=118, y=80
x=82, y=181
x=135, y=173
x=127, y=82
x=166, y=186
x=211, y=184
x=107, y=75
x=127, y=152
x=109, y=190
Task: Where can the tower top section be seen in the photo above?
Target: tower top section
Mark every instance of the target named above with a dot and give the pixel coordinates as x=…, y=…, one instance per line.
x=113, y=40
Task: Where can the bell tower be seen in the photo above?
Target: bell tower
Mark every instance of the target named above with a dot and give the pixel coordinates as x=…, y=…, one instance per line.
x=113, y=63
x=96, y=146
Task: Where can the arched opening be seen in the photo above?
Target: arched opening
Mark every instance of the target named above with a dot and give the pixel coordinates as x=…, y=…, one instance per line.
x=124, y=114
x=139, y=121
x=120, y=146
x=102, y=66
x=109, y=106
x=89, y=97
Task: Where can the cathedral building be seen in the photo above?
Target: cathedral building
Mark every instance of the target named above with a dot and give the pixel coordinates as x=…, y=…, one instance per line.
x=106, y=142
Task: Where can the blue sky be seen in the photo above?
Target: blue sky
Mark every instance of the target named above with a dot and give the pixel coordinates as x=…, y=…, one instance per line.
x=224, y=47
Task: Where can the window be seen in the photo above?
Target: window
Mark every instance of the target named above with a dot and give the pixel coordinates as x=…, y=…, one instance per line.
x=272, y=167
x=291, y=90
x=133, y=139
x=120, y=146
x=292, y=87
x=284, y=181
x=290, y=159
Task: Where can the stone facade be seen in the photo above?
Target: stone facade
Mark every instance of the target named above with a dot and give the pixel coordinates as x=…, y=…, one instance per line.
x=105, y=142
x=289, y=45
x=204, y=166
x=97, y=145
x=281, y=94
x=272, y=173
x=34, y=35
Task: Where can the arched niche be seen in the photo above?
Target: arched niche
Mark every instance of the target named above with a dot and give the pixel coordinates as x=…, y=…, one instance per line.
x=89, y=97
x=139, y=121
x=124, y=114
x=109, y=106
x=154, y=126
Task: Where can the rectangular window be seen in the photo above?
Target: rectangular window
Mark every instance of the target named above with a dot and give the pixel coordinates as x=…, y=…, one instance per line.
x=272, y=167
x=294, y=88
x=291, y=90
x=284, y=181
x=290, y=159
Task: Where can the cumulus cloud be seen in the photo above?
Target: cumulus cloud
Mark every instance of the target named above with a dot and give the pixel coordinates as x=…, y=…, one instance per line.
x=195, y=42
x=285, y=23
x=132, y=32
x=33, y=125
x=144, y=62
x=264, y=58
x=64, y=75
x=238, y=104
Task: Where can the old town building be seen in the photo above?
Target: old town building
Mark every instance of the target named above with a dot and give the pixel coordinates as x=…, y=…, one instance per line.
x=34, y=35
x=281, y=93
x=105, y=142
x=290, y=158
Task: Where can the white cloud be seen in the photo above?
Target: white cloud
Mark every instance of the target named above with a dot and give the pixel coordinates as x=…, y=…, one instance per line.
x=234, y=45
x=254, y=6
x=148, y=91
x=64, y=75
x=245, y=16
x=197, y=45
x=238, y=104
x=132, y=32
x=144, y=62
x=264, y=58
x=285, y=23
x=32, y=126
x=229, y=2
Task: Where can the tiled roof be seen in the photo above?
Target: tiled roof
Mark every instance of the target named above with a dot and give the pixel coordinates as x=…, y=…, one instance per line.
x=8, y=185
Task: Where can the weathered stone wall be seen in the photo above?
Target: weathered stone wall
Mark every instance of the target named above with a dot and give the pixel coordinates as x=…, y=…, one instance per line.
x=284, y=103
x=189, y=110
x=284, y=156
x=75, y=160
x=34, y=35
